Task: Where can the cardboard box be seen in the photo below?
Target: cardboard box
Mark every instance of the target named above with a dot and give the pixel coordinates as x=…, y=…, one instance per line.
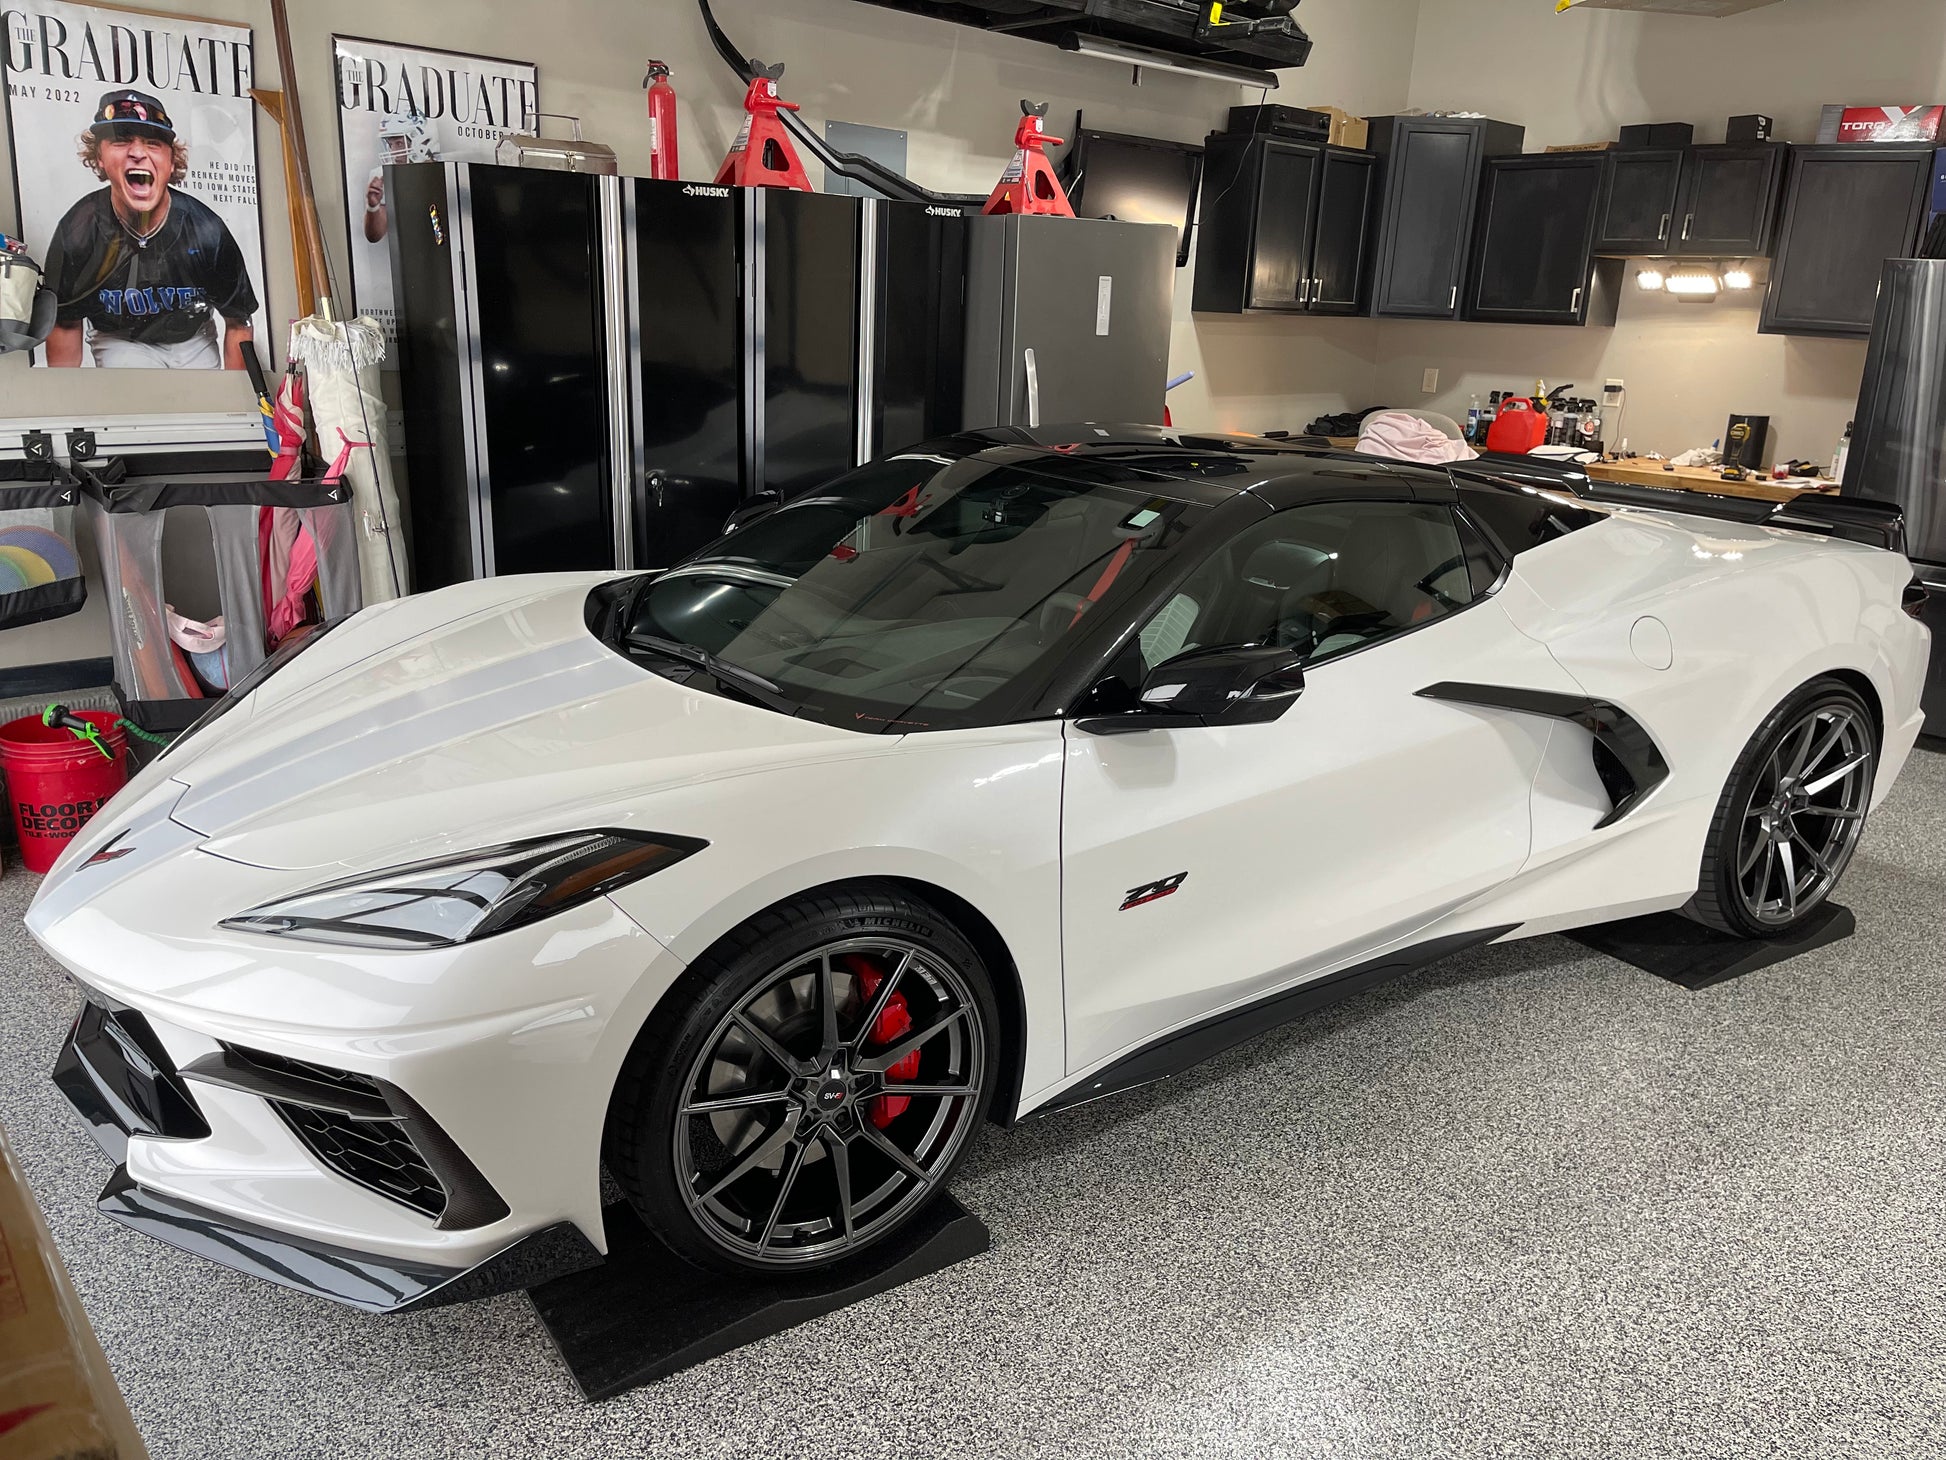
x=1890, y=123
x=1346, y=129
x=1751, y=127
x=57, y=1398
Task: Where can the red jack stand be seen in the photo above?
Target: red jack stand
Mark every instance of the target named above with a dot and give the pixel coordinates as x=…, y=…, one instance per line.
x=1029, y=184
x=762, y=155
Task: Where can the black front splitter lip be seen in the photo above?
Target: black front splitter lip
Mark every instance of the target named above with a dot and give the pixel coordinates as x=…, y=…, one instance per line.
x=362, y=1280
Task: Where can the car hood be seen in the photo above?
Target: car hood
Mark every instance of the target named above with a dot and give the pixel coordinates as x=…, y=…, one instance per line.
x=498, y=715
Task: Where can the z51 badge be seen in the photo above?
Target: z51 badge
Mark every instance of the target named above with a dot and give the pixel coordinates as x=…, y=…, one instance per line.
x=1151, y=891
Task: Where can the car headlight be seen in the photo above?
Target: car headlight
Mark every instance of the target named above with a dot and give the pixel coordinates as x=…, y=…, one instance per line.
x=451, y=900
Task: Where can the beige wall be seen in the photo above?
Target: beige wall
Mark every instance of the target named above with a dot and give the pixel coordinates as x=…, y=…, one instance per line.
x=1578, y=77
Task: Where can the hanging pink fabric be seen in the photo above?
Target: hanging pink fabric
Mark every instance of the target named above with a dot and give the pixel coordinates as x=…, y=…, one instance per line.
x=286, y=555
x=301, y=575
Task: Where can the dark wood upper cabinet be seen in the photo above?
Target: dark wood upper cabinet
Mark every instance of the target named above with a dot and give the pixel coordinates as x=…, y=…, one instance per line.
x=1287, y=189
x=1533, y=261
x=1716, y=202
x=1728, y=203
x=1341, y=243
x=1428, y=191
x=1283, y=226
x=1847, y=209
x=1638, y=206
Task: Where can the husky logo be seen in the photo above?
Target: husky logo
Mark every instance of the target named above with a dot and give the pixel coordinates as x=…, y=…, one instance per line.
x=944, y=213
x=1149, y=893
x=698, y=190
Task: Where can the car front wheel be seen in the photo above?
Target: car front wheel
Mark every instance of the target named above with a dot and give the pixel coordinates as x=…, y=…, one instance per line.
x=812, y=1082
x=1791, y=815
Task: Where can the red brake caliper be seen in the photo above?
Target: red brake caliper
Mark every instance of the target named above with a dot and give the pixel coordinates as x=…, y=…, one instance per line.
x=893, y=1024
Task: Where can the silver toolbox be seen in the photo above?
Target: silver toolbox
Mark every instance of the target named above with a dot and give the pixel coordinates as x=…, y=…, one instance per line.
x=572, y=155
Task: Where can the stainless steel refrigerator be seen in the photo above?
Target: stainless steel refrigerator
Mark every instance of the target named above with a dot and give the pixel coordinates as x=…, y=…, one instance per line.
x=1898, y=443
x=1067, y=320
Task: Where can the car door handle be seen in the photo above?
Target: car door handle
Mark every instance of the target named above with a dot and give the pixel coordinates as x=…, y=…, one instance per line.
x=1033, y=387
x=1662, y=233
x=1689, y=220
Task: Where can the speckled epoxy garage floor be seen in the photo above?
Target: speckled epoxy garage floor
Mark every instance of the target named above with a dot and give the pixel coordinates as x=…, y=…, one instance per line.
x=1530, y=1202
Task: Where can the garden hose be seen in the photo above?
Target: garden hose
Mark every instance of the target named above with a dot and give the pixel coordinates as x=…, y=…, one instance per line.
x=60, y=717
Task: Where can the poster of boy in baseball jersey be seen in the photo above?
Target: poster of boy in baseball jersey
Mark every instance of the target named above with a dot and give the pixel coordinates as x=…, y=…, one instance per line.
x=134, y=147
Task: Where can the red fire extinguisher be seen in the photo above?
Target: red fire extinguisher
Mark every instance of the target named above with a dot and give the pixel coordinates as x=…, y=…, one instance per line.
x=662, y=122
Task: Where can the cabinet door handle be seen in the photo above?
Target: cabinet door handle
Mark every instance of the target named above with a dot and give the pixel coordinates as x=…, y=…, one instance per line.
x=1033, y=386
x=1686, y=222
x=1662, y=233
x=1453, y=303
x=1574, y=306
x=1317, y=288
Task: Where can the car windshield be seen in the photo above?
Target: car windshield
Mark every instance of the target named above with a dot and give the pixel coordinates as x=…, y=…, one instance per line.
x=919, y=592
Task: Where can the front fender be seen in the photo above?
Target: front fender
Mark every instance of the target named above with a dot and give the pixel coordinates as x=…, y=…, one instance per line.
x=976, y=813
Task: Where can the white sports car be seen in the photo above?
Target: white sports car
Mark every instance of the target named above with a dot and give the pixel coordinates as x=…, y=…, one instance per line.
x=988, y=779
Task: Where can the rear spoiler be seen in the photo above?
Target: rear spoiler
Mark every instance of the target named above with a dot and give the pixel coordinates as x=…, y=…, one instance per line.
x=1868, y=520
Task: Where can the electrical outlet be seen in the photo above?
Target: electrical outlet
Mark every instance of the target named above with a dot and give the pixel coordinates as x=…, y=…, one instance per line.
x=1429, y=382
x=1612, y=388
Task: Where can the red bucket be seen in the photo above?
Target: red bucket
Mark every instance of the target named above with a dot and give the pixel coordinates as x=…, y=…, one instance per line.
x=56, y=781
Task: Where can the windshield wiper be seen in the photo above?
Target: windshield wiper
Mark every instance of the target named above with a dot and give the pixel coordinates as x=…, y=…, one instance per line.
x=754, y=685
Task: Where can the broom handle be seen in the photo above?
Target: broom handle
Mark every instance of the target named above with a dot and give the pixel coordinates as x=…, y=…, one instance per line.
x=307, y=195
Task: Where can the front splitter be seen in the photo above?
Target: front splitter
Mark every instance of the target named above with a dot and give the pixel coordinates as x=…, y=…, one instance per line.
x=361, y=1279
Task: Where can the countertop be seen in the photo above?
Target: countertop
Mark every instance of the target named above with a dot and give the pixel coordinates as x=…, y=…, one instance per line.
x=1644, y=471
x=1641, y=471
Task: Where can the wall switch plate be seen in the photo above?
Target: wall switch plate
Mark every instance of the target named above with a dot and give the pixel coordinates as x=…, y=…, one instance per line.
x=1429, y=382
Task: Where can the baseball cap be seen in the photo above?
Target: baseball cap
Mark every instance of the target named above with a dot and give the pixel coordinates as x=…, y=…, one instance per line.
x=126, y=113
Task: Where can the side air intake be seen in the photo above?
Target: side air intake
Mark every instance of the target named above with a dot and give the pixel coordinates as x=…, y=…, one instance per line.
x=1626, y=756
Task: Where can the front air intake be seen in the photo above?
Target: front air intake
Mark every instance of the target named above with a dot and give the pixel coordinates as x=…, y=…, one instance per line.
x=366, y=1130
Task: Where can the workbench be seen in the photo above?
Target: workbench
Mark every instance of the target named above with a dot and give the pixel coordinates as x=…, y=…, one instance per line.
x=1646, y=471
x=1642, y=471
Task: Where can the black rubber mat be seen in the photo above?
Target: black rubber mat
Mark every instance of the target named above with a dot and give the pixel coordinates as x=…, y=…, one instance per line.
x=645, y=1314
x=1671, y=946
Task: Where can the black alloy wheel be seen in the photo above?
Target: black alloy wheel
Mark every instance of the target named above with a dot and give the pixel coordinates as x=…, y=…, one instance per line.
x=1791, y=815
x=821, y=1085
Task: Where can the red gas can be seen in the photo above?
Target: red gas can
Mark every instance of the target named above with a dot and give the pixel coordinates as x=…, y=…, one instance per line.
x=1519, y=428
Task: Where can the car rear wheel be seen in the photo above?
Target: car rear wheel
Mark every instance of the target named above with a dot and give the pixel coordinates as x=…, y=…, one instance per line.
x=810, y=1085
x=1791, y=815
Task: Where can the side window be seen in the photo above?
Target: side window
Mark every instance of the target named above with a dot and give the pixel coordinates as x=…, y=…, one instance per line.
x=1522, y=519
x=1483, y=561
x=1325, y=579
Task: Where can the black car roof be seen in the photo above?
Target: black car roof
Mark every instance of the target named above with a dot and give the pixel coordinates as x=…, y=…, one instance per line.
x=1211, y=466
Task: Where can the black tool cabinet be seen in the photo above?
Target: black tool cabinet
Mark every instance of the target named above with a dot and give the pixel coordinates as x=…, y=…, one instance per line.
x=595, y=370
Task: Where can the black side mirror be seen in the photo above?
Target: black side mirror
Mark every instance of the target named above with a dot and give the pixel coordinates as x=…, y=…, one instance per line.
x=753, y=509
x=1223, y=686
